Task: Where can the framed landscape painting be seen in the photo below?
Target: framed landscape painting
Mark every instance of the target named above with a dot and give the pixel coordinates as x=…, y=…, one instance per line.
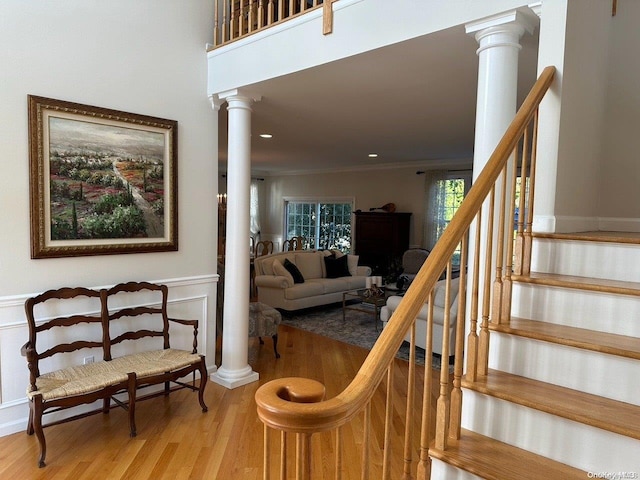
x=101, y=181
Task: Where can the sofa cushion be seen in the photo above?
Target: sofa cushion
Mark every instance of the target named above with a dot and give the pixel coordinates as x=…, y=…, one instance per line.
x=332, y=285
x=336, y=267
x=294, y=271
x=352, y=261
x=309, y=264
x=441, y=289
x=304, y=290
x=279, y=269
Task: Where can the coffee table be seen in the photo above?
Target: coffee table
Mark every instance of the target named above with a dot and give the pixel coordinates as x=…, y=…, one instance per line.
x=365, y=297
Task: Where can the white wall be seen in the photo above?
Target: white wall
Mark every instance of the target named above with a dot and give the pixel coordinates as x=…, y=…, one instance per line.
x=575, y=39
x=146, y=57
x=369, y=189
x=619, y=193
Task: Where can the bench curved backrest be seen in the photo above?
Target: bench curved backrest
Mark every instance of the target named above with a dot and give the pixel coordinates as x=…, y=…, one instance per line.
x=56, y=310
x=148, y=299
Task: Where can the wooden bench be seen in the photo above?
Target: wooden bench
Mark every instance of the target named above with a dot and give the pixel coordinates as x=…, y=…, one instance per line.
x=63, y=330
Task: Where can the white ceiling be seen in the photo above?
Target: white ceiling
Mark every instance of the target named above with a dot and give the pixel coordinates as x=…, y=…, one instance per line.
x=411, y=103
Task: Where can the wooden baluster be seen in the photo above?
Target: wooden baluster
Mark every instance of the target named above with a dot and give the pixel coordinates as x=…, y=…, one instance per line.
x=424, y=464
x=521, y=205
x=261, y=12
x=250, y=16
x=241, y=20
x=472, y=341
x=283, y=456
x=408, y=422
x=216, y=27
x=456, y=392
x=269, y=13
x=292, y=8
x=528, y=239
x=266, y=463
x=497, y=282
x=339, y=454
x=303, y=456
x=483, y=340
x=281, y=10
x=444, y=401
x=386, y=459
x=225, y=21
x=507, y=282
x=366, y=443
x=232, y=22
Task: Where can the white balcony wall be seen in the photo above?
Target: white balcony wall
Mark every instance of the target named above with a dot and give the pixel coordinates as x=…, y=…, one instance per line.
x=358, y=26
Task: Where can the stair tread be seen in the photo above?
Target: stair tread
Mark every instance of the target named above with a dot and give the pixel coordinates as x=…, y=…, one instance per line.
x=604, y=413
x=603, y=342
x=581, y=283
x=608, y=237
x=494, y=460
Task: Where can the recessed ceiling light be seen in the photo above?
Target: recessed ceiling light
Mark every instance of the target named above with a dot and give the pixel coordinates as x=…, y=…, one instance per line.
x=373, y=155
x=266, y=135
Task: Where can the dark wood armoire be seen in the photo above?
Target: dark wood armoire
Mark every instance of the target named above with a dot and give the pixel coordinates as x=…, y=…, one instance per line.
x=381, y=238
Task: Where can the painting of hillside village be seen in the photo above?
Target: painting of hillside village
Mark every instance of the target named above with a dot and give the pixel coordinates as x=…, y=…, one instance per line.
x=101, y=181
x=105, y=181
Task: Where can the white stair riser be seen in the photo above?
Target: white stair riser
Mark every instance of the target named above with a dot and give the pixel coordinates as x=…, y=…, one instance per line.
x=444, y=471
x=591, y=372
x=581, y=446
x=586, y=259
x=598, y=311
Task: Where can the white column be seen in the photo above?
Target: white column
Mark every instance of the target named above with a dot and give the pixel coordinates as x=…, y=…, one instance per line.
x=235, y=370
x=499, y=40
x=499, y=46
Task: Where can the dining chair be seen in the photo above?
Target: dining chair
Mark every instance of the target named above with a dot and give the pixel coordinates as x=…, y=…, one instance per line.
x=264, y=247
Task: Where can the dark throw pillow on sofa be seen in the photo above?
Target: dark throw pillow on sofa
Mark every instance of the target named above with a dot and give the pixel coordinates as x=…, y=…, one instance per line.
x=337, y=267
x=293, y=270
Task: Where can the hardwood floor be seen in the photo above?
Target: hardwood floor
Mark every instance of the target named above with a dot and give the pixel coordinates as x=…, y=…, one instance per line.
x=177, y=441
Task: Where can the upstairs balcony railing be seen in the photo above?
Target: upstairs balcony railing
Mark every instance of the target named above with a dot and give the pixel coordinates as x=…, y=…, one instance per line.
x=297, y=407
x=235, y=19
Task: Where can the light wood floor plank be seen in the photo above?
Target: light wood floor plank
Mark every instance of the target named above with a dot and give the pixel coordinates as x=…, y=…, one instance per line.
x=176, y=440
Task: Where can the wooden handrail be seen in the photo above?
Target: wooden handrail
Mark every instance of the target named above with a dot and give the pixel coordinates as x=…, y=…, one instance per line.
x=293, y=405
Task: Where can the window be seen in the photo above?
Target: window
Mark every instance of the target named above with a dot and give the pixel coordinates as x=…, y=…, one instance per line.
x=323, y=224
x=445, y=192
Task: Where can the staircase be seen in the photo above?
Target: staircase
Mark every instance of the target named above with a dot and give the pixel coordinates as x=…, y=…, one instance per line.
x=543, y=388
x=561, y=398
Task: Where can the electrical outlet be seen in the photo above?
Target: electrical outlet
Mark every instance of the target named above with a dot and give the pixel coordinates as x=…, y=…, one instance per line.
x=88, y=360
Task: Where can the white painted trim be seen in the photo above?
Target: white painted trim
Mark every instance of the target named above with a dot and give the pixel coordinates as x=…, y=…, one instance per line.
x=18, y=300
x=457, y=163
x=610, y=224
x=235, y=381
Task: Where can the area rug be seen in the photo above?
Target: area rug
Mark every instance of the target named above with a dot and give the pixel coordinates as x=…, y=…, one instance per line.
x=358, y=328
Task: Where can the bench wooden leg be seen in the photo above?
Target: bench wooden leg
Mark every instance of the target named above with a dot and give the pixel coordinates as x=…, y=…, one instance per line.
x=131, y=391
x=36, y=417
x=203, y=383
x=106, y=404
x=30, y=421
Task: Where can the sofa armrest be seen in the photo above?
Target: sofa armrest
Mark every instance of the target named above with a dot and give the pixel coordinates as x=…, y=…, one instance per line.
x=271, y=281
x=363, y=271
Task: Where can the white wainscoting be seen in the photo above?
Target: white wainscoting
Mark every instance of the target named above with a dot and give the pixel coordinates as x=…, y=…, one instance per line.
x=189, y=298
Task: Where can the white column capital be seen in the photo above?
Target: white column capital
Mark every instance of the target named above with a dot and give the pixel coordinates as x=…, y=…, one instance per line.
x=503, y=29
x=238, y=94
x=216, y=102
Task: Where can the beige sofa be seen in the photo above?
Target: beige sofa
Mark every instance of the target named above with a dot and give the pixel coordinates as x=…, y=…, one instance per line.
x=438, y=316
x=276, y=286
